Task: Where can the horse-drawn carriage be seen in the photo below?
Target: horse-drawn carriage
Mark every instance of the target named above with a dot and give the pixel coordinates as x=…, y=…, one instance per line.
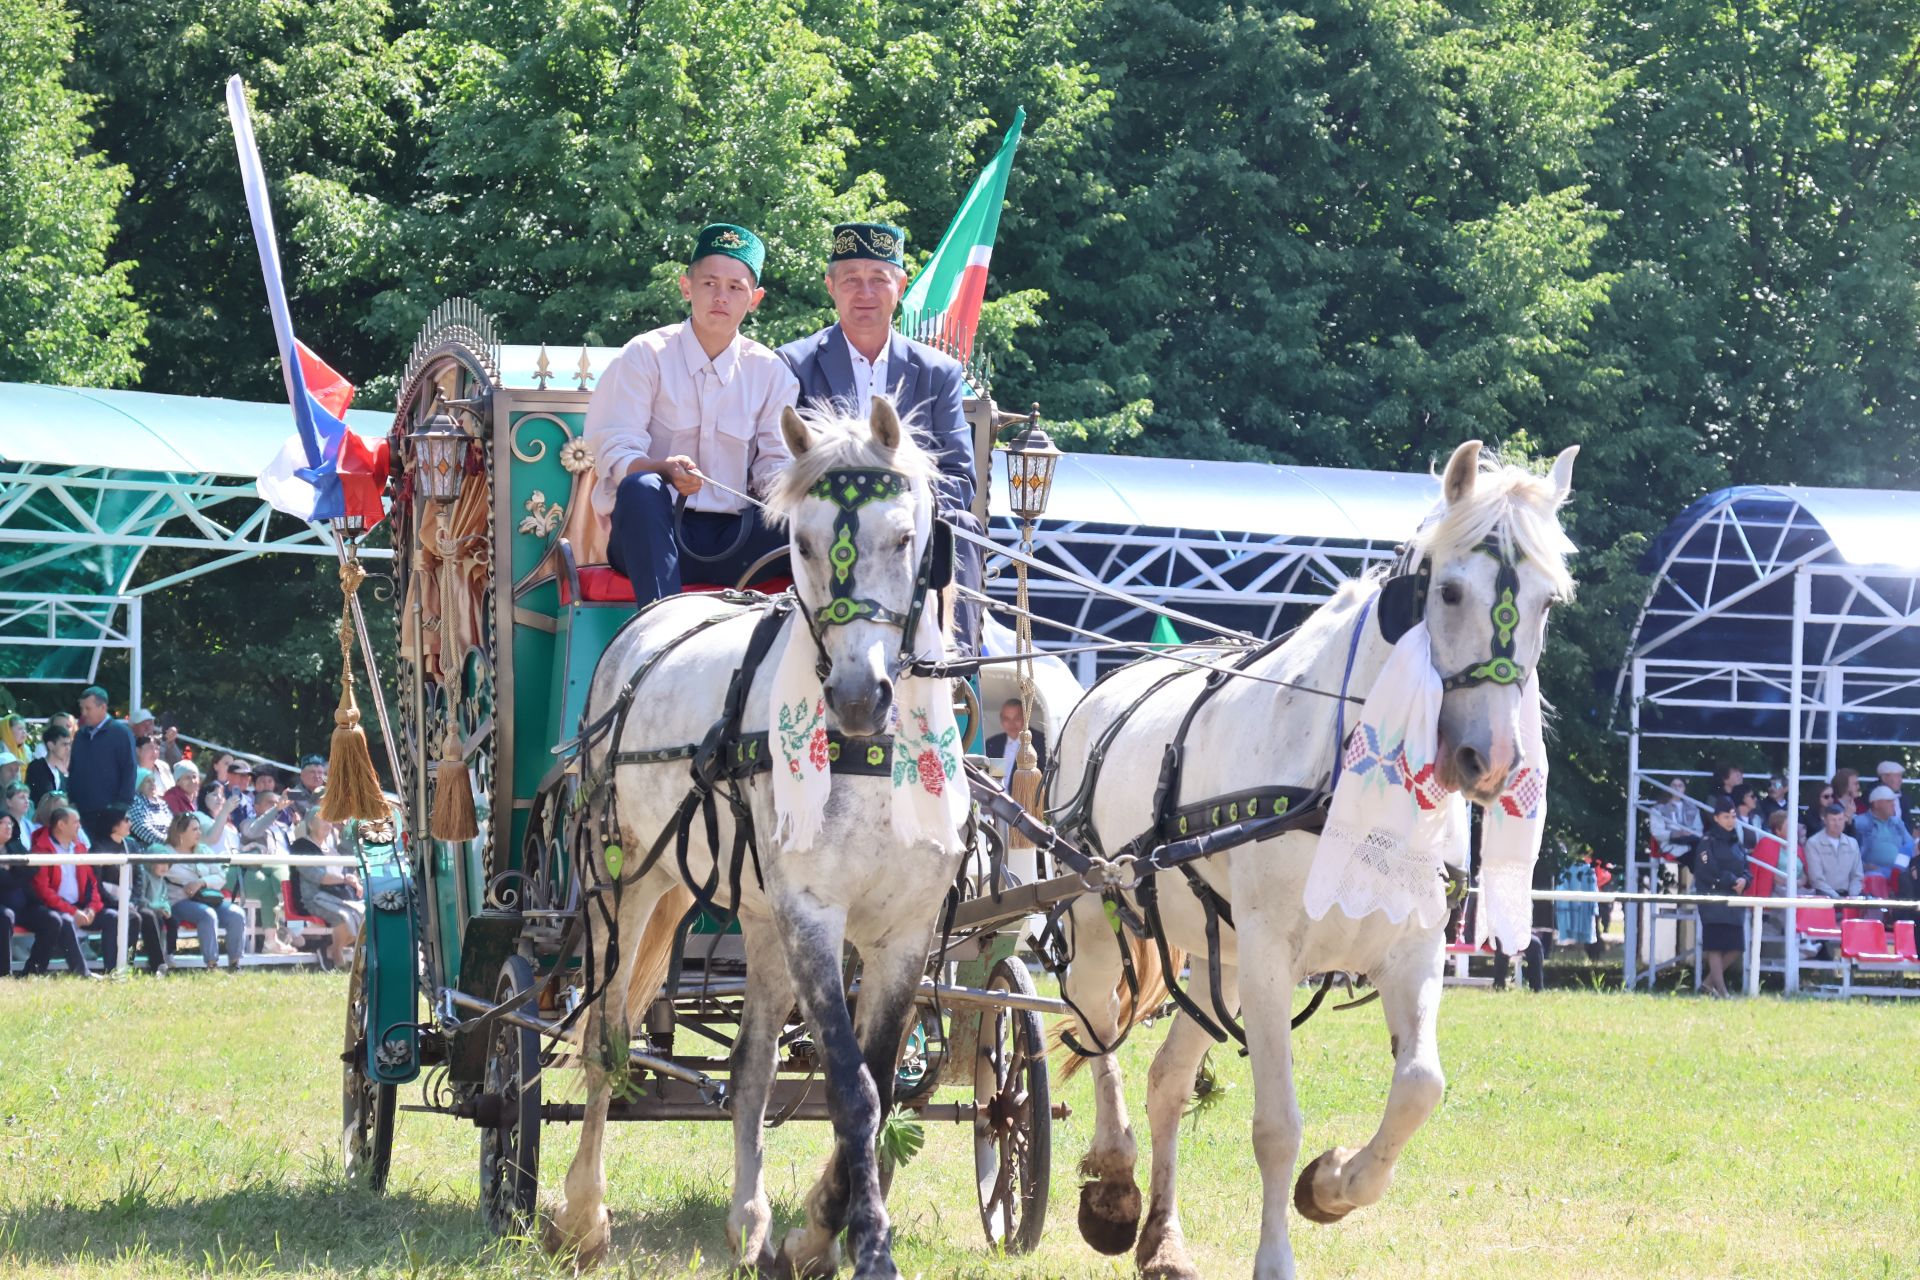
x=505, y=607
x=534, y=913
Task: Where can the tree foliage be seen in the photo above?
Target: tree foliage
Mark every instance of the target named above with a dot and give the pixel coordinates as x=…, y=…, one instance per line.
x=66, y=314
x=1344, y=232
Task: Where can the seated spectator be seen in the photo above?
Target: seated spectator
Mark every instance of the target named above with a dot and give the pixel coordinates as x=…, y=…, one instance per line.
x=1893, y=776
x=1774, y=800
x=149, y=812
x=1815, y=817
x=9, y=768
x=1833, y=858
x=266, y=783
x=306, y=793
x=193, y=890
x=146, y=755
x=50, y=772
x=19, y=806
x=1779, y=857
x=263, y=885
x=1885, y=843
x=1846, y=793
x=1675, y=823
x=240, y=783
x=1722, y=869
x=140, y=720
x=331, y=892
x=69, y=890
x=20, y=907
x=43, y=813
x=145, y=924
x=184, y=795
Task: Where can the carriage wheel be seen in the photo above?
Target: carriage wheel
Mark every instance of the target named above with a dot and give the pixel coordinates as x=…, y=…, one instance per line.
x=1013, y=1117
x=510, y=1146
x=366, y=1105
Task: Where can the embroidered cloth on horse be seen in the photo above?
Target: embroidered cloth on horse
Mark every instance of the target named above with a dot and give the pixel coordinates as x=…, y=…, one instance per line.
x=1393, y=828
x=930, y=796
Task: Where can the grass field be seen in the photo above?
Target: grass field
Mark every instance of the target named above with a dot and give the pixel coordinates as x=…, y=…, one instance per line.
x=184, y=1127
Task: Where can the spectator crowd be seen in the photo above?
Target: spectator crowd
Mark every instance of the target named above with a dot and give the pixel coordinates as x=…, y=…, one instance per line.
x=1851, y=839
x=95, y=786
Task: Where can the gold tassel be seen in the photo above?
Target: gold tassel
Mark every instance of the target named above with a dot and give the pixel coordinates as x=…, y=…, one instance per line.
x=1025, y=787
x=353, y=788
x=453, y=815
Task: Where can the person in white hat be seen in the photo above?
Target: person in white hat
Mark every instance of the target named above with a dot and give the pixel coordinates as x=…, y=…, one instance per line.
x=1885, y=842
x=9, y=767
x=1893, y=776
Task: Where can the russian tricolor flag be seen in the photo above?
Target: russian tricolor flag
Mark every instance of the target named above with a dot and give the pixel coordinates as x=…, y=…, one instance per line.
x=953, y=284
x=325, y=471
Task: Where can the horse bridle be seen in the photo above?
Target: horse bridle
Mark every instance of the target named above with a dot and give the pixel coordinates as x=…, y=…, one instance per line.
x=850, y=490
x=1403, y=605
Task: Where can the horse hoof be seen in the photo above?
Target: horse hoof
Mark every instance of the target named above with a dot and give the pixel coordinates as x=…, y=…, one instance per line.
x=1304, y=1199
x=586, y=1253
x=1109, y=1216
x=801, y=1260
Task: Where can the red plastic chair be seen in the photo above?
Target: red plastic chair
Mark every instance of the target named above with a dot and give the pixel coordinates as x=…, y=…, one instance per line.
x=1903, y=942
x=1818, y=924
x=1865, y=942
x=1877, y=884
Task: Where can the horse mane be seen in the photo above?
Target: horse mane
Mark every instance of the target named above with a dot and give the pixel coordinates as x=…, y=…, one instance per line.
x=844, y=441
x=1516, y=507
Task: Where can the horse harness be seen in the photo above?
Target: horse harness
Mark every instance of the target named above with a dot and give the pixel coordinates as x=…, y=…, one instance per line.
x=1181, y=834
x=728, y=755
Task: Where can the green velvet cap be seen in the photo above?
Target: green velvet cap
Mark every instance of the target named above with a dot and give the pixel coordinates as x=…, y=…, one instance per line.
x=729, y=241
x=872, y=241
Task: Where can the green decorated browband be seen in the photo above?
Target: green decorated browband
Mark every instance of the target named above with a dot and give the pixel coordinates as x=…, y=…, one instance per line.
x=849, y=491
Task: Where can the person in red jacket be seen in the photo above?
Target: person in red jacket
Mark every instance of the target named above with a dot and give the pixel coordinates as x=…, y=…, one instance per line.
x=69, y=890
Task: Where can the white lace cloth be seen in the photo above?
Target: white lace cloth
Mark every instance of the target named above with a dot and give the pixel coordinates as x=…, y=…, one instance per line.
x=930, y=797
x=1393, y=828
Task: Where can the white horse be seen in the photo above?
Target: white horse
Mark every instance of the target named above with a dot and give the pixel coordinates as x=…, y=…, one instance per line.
x=857, y=883
x=1254, y=734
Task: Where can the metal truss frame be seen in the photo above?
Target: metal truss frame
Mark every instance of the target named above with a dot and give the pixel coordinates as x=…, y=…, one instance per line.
x=55, y=521
x=1826, y=692
x=1249, y=582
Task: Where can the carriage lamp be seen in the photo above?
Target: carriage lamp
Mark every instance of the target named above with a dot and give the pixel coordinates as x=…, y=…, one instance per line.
x=1031, y=458
x=440, y=454
x=350, y=526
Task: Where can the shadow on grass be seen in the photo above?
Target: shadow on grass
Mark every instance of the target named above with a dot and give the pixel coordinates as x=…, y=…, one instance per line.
x=268, y=1227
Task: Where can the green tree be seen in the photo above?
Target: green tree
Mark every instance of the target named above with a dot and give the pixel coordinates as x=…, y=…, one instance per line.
x=573, y=149
x=67, y=312
x=333, y=104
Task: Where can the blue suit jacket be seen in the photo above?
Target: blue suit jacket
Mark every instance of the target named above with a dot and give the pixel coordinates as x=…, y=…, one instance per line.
x=926, y=385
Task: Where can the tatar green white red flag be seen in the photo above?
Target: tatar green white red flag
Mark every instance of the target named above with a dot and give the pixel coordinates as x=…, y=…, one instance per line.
x=953, y=284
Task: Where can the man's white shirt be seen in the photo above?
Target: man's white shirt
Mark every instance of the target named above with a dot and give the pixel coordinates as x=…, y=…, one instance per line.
x=867, y=374
x=662, y=396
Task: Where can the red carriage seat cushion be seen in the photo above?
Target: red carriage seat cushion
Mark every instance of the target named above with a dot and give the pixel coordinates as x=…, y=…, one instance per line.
x=602, y=584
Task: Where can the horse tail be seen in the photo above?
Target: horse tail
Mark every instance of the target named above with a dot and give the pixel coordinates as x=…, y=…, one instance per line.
x=1145, y=958
x=653, y=954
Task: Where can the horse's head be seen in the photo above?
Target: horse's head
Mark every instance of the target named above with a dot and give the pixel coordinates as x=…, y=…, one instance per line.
x=858, y=505
x=1495, y=561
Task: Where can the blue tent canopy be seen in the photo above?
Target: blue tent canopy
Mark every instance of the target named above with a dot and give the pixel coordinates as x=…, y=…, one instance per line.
x=1717, y=647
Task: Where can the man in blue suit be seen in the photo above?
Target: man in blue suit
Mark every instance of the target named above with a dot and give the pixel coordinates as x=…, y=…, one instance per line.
x=862, y=356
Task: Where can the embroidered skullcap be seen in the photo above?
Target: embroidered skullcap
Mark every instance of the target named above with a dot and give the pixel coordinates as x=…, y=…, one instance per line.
x=728, y=241
x=870, y=242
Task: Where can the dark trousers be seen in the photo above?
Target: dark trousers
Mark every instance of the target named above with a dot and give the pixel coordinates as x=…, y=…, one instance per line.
x=98, y=824
x=147, y=928
x=643, y=543
x=51, y=931
x=968, y=573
